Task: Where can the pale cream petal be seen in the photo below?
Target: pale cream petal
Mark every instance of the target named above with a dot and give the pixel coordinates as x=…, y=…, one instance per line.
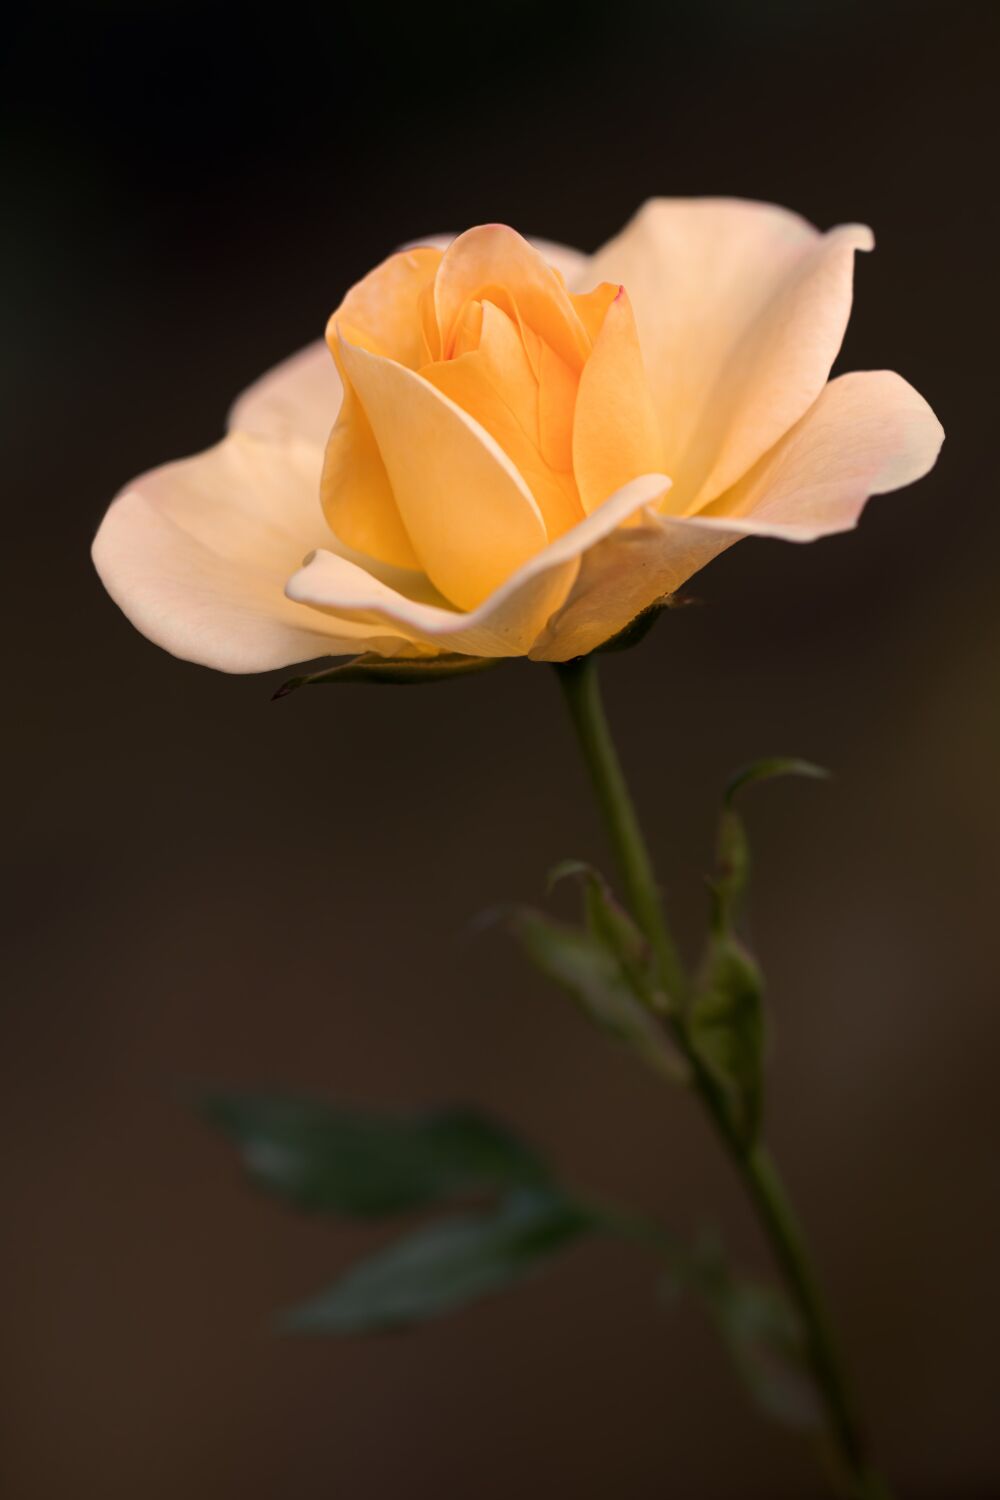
x=468, y=513
x=741, y=309
x=868, y=433
x=196, y=554
x=507, y=623
x=299, y=398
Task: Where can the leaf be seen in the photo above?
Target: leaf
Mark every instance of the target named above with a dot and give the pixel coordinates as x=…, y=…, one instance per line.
x=322, y=1158
x=581, y=962
x=761, y=1334
x=446, y=1265
x=395, y=671
x=726, y=1027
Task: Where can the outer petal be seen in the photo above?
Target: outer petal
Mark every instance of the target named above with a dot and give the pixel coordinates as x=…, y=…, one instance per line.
x=467, y=511
x=741, y=309
x=507, y=623
x=299, y=398
x=196, y=554
x=868, y=433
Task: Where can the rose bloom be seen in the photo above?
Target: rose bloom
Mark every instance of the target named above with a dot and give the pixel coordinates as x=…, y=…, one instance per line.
x=509, y=449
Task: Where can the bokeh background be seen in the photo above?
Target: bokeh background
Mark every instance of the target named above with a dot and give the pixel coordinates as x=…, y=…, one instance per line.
x=208, y=886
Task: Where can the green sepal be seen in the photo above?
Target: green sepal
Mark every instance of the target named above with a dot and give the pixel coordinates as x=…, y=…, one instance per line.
x=447, y=1264
x=637, y=628
x=769, y=767
x=726, y=1019
x=588, y=966
x=394, y=671
x=609, y=922
x=323, y=1158
x=726, y=1026
x=732, y=845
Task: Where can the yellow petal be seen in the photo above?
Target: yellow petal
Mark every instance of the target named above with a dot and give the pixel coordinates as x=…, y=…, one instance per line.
x=381, y=312
x=356, y=495
x=197, y=553
x=557, y=389
x=866, y=434
x=496, y=385
x=592, y=307
x=570, y=264
x=616, y=435
x=494, y=263
x=741, y=308
x=505, y=624
x=469, y=515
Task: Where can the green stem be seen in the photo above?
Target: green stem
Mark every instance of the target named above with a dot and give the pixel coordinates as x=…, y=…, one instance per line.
x=754, y=1165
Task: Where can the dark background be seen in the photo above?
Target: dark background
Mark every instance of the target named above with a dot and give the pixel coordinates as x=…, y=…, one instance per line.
x=210, y=886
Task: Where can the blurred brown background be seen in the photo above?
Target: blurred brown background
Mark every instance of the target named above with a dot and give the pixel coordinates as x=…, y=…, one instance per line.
x=207, y=886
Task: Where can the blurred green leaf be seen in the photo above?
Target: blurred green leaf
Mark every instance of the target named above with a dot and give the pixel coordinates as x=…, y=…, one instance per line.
x=446, y=1265
x=394, y=671
x=759, y=1330
x=587, y=966
x=323, y=1158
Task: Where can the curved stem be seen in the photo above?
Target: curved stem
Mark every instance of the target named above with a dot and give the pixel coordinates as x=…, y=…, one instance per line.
x=754, y=1165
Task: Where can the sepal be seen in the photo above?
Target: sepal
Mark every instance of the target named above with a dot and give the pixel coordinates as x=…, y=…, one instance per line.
x=393, y=671
x=726, y=1019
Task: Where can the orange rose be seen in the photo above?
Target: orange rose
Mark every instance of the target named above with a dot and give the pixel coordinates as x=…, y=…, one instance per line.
x=523, y=448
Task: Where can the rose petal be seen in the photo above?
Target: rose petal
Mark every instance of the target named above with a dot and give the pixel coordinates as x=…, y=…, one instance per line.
x=496, y=385
x=196, y=554
x=381, y=311
x=355, y=492
x=615, y=431
x=494, y=261
x=508, y=622
x=868, y=433
x=470, y=516
x=570, y=264
x=298, y=398
x=741, y=309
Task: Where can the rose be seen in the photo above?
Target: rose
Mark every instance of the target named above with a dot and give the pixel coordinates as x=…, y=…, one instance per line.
x=523, y=448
